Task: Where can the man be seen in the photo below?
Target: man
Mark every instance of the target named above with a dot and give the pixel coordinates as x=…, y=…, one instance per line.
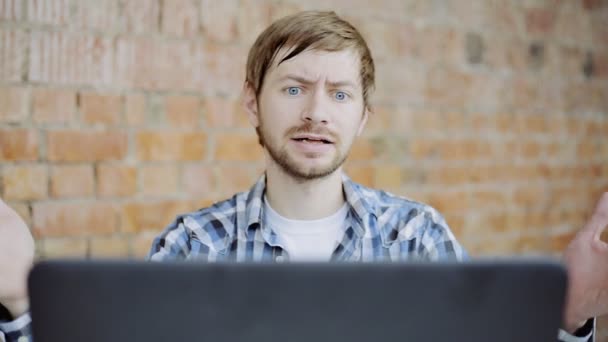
x=308, y=82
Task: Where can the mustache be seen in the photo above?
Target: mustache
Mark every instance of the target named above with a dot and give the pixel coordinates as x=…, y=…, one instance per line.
x=311, y=128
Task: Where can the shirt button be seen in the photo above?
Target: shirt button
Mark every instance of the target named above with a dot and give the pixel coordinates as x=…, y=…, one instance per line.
x=279, y=258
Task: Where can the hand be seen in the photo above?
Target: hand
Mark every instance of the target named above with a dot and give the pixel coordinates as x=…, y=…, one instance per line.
x=586, y=258
x=16, y=259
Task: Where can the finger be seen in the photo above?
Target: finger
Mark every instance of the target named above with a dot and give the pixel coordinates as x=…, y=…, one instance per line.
x=599, y=219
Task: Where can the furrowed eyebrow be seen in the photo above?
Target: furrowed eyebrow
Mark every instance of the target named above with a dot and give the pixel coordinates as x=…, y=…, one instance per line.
x=303, y=80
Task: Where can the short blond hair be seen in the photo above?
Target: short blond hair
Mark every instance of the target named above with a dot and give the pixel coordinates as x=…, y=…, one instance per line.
x=316, y=30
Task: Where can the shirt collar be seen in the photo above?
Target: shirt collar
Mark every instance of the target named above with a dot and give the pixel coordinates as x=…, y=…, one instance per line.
x=361, y=210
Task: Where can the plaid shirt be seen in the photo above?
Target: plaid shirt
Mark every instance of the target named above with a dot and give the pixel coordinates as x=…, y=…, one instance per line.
x=380, y=227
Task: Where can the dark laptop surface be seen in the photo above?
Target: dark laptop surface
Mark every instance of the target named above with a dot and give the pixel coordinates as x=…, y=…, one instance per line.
x=128, y=301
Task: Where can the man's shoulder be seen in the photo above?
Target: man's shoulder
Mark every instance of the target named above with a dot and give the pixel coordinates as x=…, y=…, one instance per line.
x=220, y=215
x=385, y=203
x=401, y=219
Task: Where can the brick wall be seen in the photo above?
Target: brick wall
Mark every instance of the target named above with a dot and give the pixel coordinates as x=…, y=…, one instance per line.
x=116, y=115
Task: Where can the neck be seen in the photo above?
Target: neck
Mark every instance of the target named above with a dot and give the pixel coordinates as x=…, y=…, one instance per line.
x=303, y=199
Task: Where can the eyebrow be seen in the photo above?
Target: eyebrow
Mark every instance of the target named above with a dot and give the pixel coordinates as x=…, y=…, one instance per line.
x=303, y=80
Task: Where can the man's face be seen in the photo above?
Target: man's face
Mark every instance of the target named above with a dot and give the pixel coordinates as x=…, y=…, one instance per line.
x=309, y=112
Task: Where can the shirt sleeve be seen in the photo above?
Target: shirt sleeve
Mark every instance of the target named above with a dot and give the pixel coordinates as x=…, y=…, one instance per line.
x=18, y=330
x=439, y=242
x=564, y=336
x=172, y=244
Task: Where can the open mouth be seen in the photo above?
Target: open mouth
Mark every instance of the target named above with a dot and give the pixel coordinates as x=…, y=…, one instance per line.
x=313, y=141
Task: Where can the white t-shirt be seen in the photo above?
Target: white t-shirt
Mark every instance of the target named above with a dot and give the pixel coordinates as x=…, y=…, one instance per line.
x=310, y=240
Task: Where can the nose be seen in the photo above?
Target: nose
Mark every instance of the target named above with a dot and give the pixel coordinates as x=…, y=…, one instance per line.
x=316, y=110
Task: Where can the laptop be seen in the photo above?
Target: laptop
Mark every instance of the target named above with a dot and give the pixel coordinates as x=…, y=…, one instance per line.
x=133, y=301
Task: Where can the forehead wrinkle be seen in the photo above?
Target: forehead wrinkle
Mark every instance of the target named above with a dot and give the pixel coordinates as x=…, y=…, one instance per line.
x=303, y=70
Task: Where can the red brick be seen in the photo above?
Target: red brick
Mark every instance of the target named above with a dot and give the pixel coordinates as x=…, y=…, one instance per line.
x=55, y=12
x=281, y=9
x=389, y=148
x=532, y=244
x=183, y=111
x=425, y=121
x=180, y=18
x=422, y=148
x=583, y=97
x=11, y=10
x=115, y=180
x=66, y=145
x=25, y=182
x=572, y=24
x=65, y=248
x=506, y=53
x=393, y=40
x=224, y=113
x=152, y=64
x=529, y=197
x=600, y=65
x=12, y=54
x=491, y=247
x=53, y=105
x=435, y=44
x=151, y=216
x=141, y=16
x=448, y=175
x=97, y=15
x=450, y=202
x=531, y=150
x=540, y=20
x=233, y=179
x=91, y=59
x=72, y=181
x=362, y=149
x=237, y=147
x=448, y=87
x=198, y=180
x=524, y=93
x=252, y=18
x=224, y=65
x=135, y=110
x=600, y=30
x=170, y=146
x=158, y=180
x=13, y=104
x=406, y=89
x=591, y=4
x=381, y=118
x=55, y=219
x=387, y=177
x=99, y=108
x=493, y=222
x=142, y=244
x=18, y=144
x=109, y=247
x=361, y=174
x=464, y=150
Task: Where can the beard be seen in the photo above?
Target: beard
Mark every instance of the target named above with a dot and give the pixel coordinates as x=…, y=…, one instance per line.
x=280, y=154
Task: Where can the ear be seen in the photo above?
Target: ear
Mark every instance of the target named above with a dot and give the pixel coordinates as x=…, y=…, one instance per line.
x=250, y=103
x=366, y=114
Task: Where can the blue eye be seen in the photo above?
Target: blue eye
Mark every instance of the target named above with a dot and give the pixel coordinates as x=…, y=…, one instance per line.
x=294, y=90
x=340, y=96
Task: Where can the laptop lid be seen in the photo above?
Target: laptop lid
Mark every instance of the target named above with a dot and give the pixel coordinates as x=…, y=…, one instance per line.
x=94, y=301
